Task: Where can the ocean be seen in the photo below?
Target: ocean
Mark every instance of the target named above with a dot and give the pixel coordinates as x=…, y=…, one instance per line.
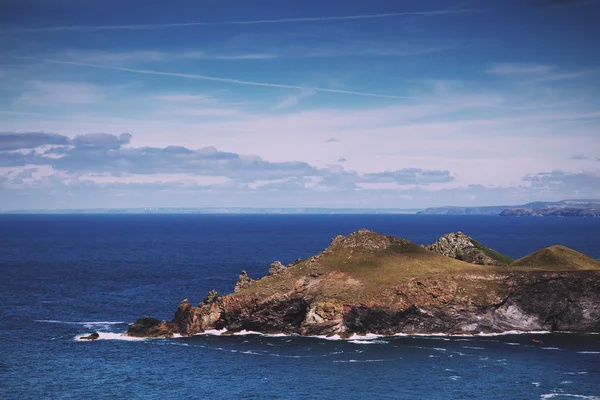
x=68, y=275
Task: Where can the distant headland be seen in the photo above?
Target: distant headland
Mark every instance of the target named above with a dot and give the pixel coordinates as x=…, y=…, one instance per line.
x=563, y=208
x=367, y=283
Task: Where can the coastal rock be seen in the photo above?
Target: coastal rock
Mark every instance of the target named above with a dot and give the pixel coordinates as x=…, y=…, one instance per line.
x=93, y=336
x=276, y=268
x=371, y=283
x=462, y=247
x=324, y=318
x=210, y=298
x=243, y=282
x=188, y=319
x=150, y=327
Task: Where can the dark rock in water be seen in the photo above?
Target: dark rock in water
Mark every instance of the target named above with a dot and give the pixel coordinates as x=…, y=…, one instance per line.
x=464, y=248
x=276, y=268
x=150, y=327
x=93, y=336
x=372, y=283
x=243, y=282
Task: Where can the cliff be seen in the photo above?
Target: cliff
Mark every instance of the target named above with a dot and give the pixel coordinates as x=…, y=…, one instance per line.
x=552, y=212
x=372, y=283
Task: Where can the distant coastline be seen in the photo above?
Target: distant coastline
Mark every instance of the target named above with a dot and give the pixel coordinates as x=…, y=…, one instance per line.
x=563, y=208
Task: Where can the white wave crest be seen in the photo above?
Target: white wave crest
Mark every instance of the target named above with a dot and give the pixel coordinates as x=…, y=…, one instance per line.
x=109, y=336
x=588, y=352
x=91, y=323
x=367, y=341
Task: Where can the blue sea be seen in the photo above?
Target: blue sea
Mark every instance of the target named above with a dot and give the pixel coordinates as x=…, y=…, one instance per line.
x=63, y=276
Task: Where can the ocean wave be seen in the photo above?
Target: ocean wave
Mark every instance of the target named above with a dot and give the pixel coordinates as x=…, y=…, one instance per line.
x=360, y=361
x=109, y=336
x=90, y=323
x=245, y=332
x=369, y=338
x=551, y=348
x=357, y=341
x=588, y=352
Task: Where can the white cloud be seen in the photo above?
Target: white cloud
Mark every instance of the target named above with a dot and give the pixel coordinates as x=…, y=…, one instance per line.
x=521, y=69
x=50, y=93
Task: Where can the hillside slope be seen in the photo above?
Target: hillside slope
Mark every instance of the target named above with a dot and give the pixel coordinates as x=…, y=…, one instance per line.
x=367, y=282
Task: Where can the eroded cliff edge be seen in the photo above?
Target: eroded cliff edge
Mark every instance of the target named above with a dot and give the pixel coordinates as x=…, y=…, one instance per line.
x=372, y=283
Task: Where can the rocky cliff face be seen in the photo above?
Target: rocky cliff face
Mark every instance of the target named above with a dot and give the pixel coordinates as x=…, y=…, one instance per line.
x=371, y=283
x=462, y=247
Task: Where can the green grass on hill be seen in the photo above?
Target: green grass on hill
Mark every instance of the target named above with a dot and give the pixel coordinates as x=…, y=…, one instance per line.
x=557, y=257
x=492, y=253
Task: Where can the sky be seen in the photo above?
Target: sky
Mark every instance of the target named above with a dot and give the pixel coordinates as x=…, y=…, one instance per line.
x=411, y=104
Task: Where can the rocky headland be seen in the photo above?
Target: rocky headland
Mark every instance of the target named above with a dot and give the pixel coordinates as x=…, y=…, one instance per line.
x=552, y=212
x=563, y=208
x=372, y=283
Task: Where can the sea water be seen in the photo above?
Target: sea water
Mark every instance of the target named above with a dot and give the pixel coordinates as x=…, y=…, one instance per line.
x=64, y=276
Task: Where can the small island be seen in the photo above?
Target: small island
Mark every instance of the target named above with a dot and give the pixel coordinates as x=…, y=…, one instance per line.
x=373, y=283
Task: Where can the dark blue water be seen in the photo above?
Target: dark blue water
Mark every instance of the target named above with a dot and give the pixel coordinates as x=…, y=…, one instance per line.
x=62, y=276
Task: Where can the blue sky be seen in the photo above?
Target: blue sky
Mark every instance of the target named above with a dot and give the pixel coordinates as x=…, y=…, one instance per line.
x=297, y=104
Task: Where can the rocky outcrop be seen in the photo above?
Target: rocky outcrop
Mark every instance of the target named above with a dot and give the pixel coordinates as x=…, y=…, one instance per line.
x=243, y=282
x=371, y=283
x=151, y=327
x=323, y=318
x=276, y=268
x=362, y=239
x=462, y=247
x=210, y=298
x=93, y=336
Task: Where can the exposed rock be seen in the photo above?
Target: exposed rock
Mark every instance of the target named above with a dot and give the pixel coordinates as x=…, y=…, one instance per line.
x=462, y=247
x=276, y=268
x=243, y=282
x=210, y=298
x=188, y=319
x=93, y=336
x=337, y=240
x=363, y=239
x=151, y=327
x=370, y=283
x=323, y=318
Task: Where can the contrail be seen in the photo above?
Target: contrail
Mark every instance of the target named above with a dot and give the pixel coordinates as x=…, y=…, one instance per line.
x=260, y=21
x=217, y=79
